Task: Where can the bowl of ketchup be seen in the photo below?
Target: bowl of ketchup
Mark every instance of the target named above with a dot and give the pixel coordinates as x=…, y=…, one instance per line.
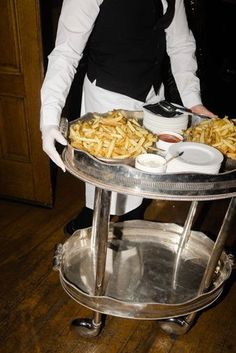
x=167, y=139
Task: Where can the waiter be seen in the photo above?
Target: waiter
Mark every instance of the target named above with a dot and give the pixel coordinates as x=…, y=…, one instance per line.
x=126, y=41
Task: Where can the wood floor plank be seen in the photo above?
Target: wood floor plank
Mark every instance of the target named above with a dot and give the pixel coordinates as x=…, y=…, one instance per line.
x=141, y=339
x=162, y=343
x=9, y=210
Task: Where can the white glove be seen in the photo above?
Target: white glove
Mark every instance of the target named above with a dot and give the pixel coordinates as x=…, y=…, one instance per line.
x=51, y=134
x=200, y=109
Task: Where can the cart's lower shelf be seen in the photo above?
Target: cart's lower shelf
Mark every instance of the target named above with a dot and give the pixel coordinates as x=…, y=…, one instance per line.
x=142, y=278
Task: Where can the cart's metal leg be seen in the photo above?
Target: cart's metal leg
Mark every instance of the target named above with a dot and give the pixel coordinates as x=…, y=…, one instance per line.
x=178, y=326
x=183, y=240
x=218, y=246
x=88, y=327
x=100, y=229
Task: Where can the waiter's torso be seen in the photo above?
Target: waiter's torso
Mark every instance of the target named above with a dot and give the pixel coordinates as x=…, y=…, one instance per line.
x=127, y=46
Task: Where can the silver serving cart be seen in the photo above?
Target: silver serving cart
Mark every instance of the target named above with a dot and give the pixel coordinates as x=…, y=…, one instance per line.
x=141, y=269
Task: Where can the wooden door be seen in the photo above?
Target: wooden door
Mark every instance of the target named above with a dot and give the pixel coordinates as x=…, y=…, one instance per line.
x=24, y=168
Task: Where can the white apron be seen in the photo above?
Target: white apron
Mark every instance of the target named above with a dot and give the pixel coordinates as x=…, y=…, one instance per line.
x=96, y=99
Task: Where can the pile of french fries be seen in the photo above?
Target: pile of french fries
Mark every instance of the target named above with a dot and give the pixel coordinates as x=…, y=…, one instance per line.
x=112, y=136
x=219, y=133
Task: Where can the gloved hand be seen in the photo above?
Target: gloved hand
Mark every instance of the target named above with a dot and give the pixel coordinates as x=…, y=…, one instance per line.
x=51, y=134
x=200, y=109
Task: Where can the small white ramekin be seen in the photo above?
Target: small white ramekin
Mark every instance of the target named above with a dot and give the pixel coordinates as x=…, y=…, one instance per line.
x=163, y=145
x=151, y=163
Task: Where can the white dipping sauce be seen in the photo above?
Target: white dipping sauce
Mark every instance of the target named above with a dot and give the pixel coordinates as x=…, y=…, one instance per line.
x=151, y=163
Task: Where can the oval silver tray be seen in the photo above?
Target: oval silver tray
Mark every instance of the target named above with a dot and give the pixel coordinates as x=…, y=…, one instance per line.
x=124, y=178
x=140, y=277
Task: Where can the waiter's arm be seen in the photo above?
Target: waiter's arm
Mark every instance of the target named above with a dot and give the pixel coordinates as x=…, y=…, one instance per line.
x=74, y=27
x=181, y=49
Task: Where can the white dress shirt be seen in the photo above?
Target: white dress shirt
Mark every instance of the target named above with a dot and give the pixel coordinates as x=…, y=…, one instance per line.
x=75, y=25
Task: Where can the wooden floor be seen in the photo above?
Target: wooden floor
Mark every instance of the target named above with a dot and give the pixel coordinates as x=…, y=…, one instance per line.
x=35, y=312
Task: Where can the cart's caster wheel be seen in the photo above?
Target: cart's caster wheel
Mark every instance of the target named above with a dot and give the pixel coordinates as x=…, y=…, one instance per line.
x=86, y=327
x=174, y=326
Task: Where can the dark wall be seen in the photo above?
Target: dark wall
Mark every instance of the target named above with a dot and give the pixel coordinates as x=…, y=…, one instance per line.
x=49, y=13
x=213, y=25
x=220, y=56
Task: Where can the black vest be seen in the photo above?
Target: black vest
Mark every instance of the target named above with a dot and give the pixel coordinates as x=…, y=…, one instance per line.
x=127, y=46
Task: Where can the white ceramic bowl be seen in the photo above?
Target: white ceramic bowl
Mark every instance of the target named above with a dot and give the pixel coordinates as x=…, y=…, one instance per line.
x=167, y=139
x=151, y=163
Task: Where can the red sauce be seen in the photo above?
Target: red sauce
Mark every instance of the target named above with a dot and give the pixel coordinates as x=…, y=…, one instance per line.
x=169, y=138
